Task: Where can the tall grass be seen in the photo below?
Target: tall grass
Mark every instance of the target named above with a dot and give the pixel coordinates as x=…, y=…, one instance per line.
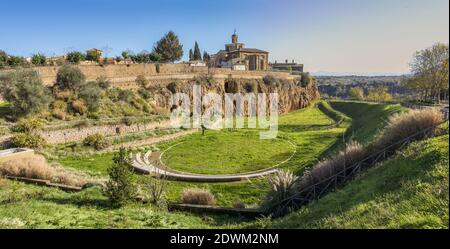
x=36, y=167
x=198, y=196
x=400, y=126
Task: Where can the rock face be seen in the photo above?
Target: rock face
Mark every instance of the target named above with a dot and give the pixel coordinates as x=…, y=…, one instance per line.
x=292, y=95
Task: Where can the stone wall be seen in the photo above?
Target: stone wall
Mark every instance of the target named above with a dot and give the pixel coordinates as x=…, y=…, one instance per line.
x=125, y=75
x=78, y=134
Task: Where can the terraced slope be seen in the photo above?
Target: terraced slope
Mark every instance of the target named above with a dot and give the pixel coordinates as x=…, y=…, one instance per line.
x=409, y=191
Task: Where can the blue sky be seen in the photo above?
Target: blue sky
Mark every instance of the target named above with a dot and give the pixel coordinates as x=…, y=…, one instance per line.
x=341, y=36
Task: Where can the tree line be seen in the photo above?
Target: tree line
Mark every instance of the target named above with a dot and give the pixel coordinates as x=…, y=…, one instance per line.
x=167, y=49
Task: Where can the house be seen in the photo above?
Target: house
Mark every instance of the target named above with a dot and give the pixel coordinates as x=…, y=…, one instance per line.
x=197, y=63
x=236, y=53
x=287, y=66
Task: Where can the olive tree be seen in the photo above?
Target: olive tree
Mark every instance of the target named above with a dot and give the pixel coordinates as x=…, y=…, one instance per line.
x=24, y=90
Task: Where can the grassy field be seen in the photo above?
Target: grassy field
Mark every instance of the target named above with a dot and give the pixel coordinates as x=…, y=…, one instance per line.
x=310, y=145
x=367, y=118
x=25, y=205
x=227, y=152
x=408, y=191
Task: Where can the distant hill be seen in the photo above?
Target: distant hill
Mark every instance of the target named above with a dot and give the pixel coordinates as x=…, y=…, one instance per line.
x=338, y=86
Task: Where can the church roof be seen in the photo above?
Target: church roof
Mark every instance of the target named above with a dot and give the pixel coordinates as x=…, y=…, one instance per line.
x=249, y=50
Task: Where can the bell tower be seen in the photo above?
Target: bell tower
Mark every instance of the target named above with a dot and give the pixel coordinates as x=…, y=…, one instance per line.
x=234, y=38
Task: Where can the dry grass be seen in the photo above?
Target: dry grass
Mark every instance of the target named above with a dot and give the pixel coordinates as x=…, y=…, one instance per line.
x=36, y=167
x=197, y=196
x=353, y=153
x=405, y=125
x=282, y=185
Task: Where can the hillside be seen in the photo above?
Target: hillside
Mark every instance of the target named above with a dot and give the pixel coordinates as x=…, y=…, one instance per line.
x=408, y=191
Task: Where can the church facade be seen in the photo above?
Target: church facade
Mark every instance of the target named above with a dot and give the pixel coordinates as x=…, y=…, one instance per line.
x=238, y=57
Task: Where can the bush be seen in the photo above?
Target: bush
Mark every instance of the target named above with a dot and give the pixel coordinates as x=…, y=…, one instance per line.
x=24, y=90
x=69, y=78
x=75, y=57
x=306, y=79
x=197, y=196
x=270, y=80
x=59, y=105
x=27, y=125
x=38, y=59
x=155, y=189
x=379, y=94
x=98, y=141
x=282, y=185
x=126, y=95
x=250, y=87
x=91, y=94
x=141, y=81
x=146, y=94
x=172, y=87
x=121, y=187
x=28, y=140
x=16, y=61
x=103, y=82
x=59, y=114
x=79, y=106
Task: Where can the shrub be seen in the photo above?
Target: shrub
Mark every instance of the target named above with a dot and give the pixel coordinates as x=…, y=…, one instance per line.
x=250, y=87
x=38, y=59
x=126, y=95
x=197, y=196
x=103, y=82
x=156, y=191
x=127, y=121
x=270, y=80
x=379, y=94
x=79, y=106
x=403, y=125
x=28, y=140
x=91, y=94
x=141, y=81
x=98, y=141
x=59, y=105
x=15, y=61
x=146, y=94
x=27, y=125
x=306, y=79
x=172, y=87
x=75, y=57
x=24, y=90
x=59, y=114
x=121, y=187
x=69, y=78
x=282, y=185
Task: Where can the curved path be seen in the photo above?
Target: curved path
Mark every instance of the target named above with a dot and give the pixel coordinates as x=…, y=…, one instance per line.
x=142, y=164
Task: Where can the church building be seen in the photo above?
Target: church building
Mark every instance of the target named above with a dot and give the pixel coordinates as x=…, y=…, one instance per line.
x=238, y=57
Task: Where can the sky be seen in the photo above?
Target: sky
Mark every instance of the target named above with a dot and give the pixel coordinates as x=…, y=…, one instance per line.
x=365, y=37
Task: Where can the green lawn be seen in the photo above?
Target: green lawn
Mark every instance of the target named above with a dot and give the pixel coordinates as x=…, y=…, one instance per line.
x=408, y=191
x=25, y=205
x=367, y=118
x=227, y=152
x=310, y=145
